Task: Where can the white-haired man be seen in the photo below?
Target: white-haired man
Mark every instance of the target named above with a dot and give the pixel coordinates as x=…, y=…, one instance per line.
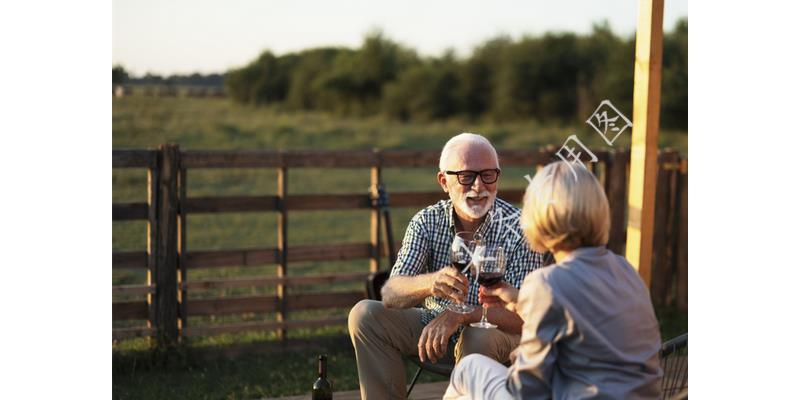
x=383, y=332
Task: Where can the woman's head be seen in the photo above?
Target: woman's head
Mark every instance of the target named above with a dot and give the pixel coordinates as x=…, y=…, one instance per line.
x=565, y=208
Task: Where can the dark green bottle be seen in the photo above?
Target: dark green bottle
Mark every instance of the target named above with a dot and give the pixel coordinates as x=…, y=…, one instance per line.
x=322, y=390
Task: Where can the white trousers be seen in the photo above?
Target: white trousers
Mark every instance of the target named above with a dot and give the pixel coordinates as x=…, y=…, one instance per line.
x=478, y=377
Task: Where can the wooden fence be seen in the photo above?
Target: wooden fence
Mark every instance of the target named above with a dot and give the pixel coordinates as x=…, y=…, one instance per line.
x=165, y=305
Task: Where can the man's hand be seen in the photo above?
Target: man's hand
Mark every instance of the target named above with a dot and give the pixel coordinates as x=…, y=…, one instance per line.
x=433, y=340
x=500, y=295
x=450, y=283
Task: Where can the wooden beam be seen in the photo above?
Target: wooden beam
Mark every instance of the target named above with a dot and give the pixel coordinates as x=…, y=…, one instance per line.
x=644, y=144
x=134, y=158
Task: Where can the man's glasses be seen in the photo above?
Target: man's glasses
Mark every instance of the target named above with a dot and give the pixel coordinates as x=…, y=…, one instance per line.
x=467, y=177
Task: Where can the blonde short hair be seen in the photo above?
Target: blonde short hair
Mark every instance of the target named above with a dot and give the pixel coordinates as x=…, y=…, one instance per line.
x=563, y=210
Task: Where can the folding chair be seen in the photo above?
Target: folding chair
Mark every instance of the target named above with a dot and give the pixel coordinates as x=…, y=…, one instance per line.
x=674, y=358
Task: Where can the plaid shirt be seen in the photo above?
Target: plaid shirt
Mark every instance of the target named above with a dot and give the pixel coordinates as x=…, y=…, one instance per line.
x=426, y=248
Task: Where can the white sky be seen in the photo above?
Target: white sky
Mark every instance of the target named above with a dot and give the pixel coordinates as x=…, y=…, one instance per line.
x=183, y=36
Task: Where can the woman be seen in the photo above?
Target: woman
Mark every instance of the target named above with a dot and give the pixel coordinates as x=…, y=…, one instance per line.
x=589, y=327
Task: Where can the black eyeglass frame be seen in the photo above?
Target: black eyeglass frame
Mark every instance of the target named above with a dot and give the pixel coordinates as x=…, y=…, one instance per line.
x=474, y=174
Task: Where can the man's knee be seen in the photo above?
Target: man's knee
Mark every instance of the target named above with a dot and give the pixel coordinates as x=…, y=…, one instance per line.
x=363, y=313
x=488, y=342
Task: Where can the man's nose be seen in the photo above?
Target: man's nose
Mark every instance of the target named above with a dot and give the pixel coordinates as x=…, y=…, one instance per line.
x=478, y=184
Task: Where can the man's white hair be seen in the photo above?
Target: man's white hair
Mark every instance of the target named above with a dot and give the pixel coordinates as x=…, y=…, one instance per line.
x=456, y=140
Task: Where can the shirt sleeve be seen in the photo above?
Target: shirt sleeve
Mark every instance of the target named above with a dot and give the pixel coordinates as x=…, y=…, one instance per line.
x=413, y=254
x=545, y=324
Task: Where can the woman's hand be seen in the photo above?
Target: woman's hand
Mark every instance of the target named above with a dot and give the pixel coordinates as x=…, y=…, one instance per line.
x=500, y=295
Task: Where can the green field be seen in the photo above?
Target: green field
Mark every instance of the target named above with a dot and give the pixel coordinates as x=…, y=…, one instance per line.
x=219, y=124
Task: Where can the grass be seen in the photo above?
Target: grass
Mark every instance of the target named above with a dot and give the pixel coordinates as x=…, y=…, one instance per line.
x=253, y=365
x=272, y=369
x=219, y=124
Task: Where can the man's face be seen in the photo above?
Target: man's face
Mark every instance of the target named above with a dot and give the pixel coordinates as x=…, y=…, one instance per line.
x=473, y=201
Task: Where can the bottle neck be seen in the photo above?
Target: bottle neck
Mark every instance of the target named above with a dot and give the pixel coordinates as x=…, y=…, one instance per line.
x=322, y=369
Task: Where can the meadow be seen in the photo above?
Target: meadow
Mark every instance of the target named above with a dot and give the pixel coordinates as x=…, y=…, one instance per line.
x=202, y=370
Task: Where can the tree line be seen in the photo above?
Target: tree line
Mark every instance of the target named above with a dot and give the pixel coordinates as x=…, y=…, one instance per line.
x=551, y=77
x=119, y=76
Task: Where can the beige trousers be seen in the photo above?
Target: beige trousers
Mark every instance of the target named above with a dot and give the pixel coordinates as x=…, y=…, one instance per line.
x=383, y=336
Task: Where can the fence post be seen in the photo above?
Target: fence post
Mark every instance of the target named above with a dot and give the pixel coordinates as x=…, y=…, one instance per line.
x=662, y=229
x=682, y=275
x=183, y=295
x=674, y=227
x=153, y=182
x=375, y=220
x=283, y=246
x=166, y=267
x=616, y=183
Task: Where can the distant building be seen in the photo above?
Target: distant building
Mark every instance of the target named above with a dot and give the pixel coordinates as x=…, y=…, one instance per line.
x=119, y=91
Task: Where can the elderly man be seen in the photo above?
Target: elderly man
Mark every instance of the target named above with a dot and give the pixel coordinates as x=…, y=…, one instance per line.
x=384, y=332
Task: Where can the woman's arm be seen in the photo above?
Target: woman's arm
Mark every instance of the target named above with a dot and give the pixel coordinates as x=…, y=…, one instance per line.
x=545, y=324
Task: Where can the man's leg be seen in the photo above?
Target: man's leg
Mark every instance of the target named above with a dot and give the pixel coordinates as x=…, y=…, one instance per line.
x=492, y=343
x=478, y=377
x=381, y=337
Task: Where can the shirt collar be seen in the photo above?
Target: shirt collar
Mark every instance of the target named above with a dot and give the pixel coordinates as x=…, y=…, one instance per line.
x=594, y=251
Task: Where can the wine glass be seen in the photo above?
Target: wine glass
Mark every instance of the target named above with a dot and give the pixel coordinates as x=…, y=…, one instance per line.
x=460, y=256
x=490, y=266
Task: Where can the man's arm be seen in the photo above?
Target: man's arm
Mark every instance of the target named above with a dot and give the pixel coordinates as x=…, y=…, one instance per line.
x=407, y=291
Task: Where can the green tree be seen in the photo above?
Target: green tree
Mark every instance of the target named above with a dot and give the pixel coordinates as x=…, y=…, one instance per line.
x=426, y=91
x=675, y=77
x=118, y=75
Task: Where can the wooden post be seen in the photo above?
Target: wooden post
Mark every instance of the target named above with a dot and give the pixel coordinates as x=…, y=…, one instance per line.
x=183, y=296
x=153, y=179
x=682, y=276
x=166, y=276
x=375, y=219
x=616, y=183
x=644, y=144
x=662, y=229
x=283, y=246
x=674, y=227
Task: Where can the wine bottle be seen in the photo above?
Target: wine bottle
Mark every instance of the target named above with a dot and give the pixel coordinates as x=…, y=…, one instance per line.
x=322, y=390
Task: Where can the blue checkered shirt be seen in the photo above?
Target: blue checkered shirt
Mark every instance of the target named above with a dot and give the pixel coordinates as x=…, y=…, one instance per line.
x=426, y=248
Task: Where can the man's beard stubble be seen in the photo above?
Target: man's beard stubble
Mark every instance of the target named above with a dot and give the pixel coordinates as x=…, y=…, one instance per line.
x=476, y=211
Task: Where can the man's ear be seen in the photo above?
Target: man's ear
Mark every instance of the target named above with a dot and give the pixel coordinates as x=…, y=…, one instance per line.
x=442, y=179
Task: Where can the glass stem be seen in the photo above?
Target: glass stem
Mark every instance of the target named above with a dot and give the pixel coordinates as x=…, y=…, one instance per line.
x=483, y=319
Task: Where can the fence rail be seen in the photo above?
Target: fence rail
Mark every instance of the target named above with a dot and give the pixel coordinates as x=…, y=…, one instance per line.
x=165, y=306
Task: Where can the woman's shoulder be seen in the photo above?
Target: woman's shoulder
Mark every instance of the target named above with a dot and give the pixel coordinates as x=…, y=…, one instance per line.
x=539, y=277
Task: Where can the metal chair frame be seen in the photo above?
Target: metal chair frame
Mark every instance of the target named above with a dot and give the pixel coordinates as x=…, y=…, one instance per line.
x=674, y=358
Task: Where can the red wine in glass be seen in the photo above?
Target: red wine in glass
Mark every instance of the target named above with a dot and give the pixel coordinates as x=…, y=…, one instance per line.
x=488, y=279
x=490, y=266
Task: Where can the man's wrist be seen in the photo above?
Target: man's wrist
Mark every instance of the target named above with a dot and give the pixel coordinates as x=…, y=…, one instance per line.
x=474, y=316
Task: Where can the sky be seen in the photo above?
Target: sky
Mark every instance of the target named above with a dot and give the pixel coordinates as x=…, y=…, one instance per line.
x=185, y=36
